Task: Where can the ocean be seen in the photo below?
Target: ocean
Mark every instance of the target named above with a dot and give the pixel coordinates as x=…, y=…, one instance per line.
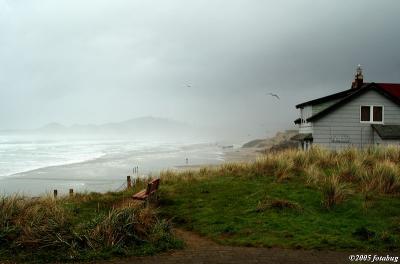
x=34, y=164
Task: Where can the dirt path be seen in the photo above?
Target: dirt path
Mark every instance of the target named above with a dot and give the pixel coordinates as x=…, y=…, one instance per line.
x=201, y=250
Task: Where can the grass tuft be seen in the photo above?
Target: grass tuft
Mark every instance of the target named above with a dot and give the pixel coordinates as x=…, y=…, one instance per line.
x=334, y=192
x=386, y=176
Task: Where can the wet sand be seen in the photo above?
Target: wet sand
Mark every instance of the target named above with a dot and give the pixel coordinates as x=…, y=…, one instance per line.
x=230, y=155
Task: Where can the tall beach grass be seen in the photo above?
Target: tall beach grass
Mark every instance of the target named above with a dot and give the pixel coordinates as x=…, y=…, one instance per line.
x=85, y=227
x=374, y=170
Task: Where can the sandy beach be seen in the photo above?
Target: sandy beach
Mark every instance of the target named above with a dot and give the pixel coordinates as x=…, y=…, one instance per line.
x=109, y=172
x=229, y=155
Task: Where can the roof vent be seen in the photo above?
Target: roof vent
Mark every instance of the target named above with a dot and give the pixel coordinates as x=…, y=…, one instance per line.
x=359, y=78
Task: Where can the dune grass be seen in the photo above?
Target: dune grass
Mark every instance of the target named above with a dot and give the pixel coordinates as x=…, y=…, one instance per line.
x=85, y=227
x=293, y=199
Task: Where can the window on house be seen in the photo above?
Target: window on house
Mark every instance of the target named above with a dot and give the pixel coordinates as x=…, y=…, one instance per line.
x=377, y=116
x=365, y=113
x=371, y=113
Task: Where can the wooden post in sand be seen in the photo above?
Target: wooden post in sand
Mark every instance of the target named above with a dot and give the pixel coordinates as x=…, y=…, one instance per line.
x=55, y=194
x=128, y=182
x=71, y=192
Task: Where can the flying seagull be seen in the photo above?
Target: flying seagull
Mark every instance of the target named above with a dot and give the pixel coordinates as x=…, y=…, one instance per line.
x=188, y=85
x=275, y=95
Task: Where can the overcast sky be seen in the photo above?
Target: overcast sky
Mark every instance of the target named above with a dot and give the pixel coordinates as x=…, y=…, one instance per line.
x=96, y=61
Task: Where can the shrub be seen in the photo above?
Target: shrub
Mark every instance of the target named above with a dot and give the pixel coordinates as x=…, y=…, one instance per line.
x=263, y=166
x=386, y=176
x=116, y=229
x=231, y=168
x=43, y=224
x=368, y=162
x=321, y=157
x=378, y=153
x=333, y=191
x=392, y=153
x=349, y=154
x=51, y=229
x=349, y=171
x=283, y=169
x=33, y=223
x=314, y=175
x=300, y=160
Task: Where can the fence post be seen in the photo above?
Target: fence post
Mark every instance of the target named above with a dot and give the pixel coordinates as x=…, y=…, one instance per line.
x=71, y=192
x=55, y=193
x=129, y=182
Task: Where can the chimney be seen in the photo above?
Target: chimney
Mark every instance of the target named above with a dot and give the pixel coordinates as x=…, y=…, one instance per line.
x=359, y=78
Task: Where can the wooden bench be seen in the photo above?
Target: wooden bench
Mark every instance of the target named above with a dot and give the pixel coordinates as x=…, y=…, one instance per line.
x=152, y=187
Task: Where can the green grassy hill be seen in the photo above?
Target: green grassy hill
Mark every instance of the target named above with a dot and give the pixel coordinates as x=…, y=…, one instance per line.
x=319, y=199
x=313, y=200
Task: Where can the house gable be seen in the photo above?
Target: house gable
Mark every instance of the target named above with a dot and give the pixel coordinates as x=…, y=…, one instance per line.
x=352, y=96
x=322, y=106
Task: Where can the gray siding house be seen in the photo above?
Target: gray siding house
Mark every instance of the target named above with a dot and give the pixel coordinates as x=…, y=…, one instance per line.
x=367, y=114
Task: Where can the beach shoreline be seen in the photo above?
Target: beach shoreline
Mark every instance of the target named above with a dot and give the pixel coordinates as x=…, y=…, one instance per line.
x=108, y=172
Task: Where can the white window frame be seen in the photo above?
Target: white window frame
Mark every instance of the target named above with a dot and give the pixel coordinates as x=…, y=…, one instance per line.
x=371, y=115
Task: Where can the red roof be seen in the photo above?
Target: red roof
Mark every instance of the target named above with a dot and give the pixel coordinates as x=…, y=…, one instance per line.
x=391, y=88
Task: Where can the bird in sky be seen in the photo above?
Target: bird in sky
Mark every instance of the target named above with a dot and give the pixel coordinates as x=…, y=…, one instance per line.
x=275, y=95
x=188, y=85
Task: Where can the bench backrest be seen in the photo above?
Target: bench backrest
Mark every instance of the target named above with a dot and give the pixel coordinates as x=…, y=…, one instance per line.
x=148, y=189
x=155, y=184
x=152, y=186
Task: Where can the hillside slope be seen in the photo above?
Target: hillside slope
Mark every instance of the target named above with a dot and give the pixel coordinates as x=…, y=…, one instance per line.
x=280, y=141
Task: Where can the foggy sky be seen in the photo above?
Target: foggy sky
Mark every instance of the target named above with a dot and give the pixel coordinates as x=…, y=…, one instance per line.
x=96, y=61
